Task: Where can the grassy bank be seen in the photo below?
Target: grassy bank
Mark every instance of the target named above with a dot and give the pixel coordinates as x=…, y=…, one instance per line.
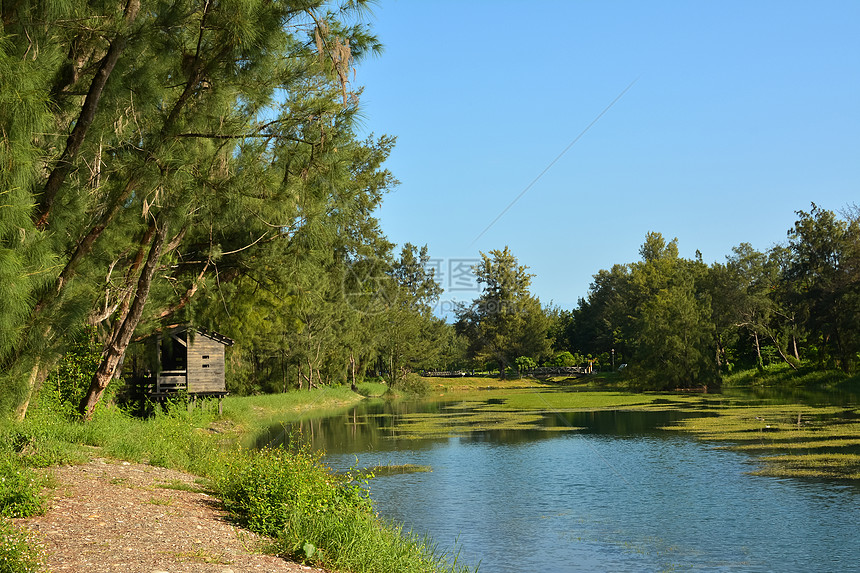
x=311, y=514
x=783, y=376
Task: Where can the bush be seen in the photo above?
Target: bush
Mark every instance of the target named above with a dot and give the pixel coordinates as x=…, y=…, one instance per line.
x=268, y=489
x=17, y=554
x=359, y=542
x=412, y=384
x=69, y=381
x=20, y=490
x=320, y=517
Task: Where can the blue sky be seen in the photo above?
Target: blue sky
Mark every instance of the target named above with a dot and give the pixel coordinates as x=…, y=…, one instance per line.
x=741, y=114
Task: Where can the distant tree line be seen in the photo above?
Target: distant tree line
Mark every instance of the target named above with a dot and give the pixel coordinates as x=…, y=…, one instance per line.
x=681, y=322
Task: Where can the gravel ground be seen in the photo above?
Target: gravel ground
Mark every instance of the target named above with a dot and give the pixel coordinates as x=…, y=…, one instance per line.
x=110, y=516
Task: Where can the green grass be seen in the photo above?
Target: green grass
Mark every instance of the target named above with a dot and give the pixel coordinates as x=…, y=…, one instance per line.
x=783, y=375
x=372, y=388
x=573, y=401
x=248, y=413
x=20, y=490
x=467, y=384
x=457, y=423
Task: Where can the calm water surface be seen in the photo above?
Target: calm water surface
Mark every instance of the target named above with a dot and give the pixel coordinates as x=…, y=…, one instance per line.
x=616, y=496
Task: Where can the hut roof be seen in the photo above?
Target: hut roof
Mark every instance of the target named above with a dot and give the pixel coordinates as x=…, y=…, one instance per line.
x=184, y=328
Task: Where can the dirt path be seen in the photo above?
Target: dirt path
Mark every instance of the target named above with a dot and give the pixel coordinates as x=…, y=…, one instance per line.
x=109, y=516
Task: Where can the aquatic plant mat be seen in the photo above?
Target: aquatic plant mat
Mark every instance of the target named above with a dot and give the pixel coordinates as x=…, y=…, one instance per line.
x=790, y=440
x=393, y=469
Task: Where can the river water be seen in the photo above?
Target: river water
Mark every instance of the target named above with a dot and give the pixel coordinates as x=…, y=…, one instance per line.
x=616, y=495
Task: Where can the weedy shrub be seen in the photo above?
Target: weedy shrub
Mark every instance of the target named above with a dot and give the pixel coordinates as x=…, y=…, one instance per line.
x=20, y=490
x=320, y=517
x=267, y=489
x=41, y=441
x=411, y=384
x=360, y=542
x=17, y=553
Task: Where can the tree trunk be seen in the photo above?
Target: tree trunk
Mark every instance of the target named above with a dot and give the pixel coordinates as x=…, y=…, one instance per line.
x=120, y=337
x=64, y=164
x=781, y=353
x=284, y=369
x=758, y=349
x=841, y=349
x=37, y=376
x=352, y=371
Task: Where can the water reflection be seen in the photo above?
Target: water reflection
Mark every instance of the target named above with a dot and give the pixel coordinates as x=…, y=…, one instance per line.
x=590, y=491
x=376, y=426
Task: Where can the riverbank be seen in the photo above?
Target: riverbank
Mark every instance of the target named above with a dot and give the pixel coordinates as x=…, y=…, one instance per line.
x=107, y=516
x=308, y=515
x=790, y=438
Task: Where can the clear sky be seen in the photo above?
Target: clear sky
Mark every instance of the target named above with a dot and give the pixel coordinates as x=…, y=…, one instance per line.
x=741, y=113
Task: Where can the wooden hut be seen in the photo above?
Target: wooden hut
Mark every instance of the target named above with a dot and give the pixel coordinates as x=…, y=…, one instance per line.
x=183, y=358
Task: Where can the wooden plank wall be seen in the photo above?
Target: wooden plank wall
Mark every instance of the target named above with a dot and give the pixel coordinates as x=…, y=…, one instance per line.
x=205, y=365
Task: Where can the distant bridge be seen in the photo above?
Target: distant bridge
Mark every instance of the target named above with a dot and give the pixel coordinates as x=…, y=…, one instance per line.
x=560, y=370
x=541, y=371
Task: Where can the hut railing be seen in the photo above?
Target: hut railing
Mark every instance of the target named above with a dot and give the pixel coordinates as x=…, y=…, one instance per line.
x=172, y=381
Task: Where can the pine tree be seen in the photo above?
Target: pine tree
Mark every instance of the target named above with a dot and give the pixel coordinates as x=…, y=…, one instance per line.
x=162, y=121
x=505, y=321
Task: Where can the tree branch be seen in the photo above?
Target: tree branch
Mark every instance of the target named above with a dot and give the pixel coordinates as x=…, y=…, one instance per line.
x=64, y=164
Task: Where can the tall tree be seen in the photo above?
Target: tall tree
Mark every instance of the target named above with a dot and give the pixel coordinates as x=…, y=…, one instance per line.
x=823, y=270
x=672, y=332
x=167, y=119
x=413, y=335
x=506, y=321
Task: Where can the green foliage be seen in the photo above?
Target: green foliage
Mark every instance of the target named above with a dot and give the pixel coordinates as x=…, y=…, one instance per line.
x=822, y=272
x=69, y=381
x=505, y=321
x=356, y=541
x=20, y=490
x=411, y=384
x=675, y=336
x=565, y=358
x=524, y=364
x=267, y=489
x=18, y=553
